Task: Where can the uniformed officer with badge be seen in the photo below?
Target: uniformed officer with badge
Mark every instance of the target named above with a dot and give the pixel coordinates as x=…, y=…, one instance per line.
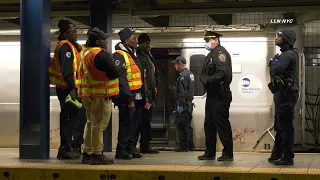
x=284, y=86
x=216, y=77
x=183, y=97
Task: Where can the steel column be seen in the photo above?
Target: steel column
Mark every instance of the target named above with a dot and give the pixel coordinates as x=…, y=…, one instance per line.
x=34, y=84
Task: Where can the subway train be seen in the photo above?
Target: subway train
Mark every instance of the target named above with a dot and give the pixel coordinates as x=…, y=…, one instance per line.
x=251, y=111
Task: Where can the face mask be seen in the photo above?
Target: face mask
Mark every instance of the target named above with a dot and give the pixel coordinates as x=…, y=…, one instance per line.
x=207, y=46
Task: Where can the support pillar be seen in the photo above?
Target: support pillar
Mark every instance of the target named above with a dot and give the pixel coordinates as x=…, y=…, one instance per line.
x=101, y=17
x=34, y=84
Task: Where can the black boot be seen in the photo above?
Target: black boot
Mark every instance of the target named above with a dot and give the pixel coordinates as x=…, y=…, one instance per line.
x=273, y=159
x=123, y=155
x=206, y=156
x=98, y=159
x=150, y=151
x=86, y=159
x=134, y=153
x=283, y=161
x=64, y=154
x=225, y=158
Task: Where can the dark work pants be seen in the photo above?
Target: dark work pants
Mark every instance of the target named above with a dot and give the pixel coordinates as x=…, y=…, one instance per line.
x=144, y=129
x=128, y=122
x=70, y=117
x=217, y=121
x=183, y=124
x=78, y=131
x=285, y=102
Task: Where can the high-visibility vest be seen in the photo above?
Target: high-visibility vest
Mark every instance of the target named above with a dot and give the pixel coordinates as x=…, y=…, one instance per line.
x=93, y=82
x=55, y=75
x=133, y=71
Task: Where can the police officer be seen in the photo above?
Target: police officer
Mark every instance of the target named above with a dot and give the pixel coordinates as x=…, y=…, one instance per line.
x=62, y=74
x=144, y=124
x=216, y=77
x=183, y=97
x=284, y=86
x=130, y=100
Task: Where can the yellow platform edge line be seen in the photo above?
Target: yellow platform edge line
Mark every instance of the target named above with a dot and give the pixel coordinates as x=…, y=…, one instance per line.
x=156, y=168
x=77, y=174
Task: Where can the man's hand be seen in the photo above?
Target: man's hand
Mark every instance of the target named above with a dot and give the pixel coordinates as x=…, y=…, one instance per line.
x=73, y=94
x=131, y=106
x=147, y=106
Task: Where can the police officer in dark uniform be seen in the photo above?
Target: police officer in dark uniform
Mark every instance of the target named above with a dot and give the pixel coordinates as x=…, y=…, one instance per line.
x=216, y=77
x=183, y=97
x=284, y=86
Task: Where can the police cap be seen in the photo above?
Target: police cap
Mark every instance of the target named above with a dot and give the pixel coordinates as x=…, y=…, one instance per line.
x=181, y=59
x=211, y=34
x=97, y=33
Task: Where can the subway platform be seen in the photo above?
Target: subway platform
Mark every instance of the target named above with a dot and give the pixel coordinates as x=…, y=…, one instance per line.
x=167, y=165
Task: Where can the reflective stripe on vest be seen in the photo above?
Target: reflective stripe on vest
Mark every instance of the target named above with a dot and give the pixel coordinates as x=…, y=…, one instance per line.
x=91, y=87
x=55, y=75
x=133, y=71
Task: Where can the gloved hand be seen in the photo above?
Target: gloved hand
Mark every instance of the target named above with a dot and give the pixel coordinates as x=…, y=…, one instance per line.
x=179, y=109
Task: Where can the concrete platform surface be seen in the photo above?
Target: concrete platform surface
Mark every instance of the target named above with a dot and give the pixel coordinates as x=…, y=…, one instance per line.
x=155, y=166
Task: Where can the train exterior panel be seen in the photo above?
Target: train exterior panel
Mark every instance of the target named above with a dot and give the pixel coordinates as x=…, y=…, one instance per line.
x=251, y=110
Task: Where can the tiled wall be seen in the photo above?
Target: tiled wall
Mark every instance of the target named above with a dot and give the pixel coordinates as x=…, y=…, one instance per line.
x=312, y=53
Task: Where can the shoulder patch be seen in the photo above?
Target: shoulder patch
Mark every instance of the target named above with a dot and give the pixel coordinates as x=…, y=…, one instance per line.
x=222, y=57
x=192, y=77
x=117, y=62
x=68, y=54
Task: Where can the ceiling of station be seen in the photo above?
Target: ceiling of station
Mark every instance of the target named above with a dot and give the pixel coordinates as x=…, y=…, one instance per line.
x=157, y=12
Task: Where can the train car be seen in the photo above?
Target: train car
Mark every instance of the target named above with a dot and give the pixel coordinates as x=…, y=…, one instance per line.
x=251, y=111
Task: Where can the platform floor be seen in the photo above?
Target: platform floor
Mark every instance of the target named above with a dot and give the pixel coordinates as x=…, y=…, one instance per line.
x=166, y=165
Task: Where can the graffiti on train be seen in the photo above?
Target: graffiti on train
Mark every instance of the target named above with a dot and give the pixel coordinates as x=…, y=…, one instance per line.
x=240, y=135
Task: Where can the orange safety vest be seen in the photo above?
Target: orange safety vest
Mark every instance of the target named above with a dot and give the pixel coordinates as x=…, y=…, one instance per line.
x=55, y=75
x=133, y=71
x=93, y=82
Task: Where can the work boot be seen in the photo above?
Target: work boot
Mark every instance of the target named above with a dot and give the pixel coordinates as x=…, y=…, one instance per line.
x=283, y=161
x=86, y=158
x=77, y=149
x=179, y=149
x=76, y=152
x=225, y=158
x=124, y=156
x=273, y=159
x=98, y=159
x=206, y=156
x=64, y=154
x=134, y=153
x=150, y=151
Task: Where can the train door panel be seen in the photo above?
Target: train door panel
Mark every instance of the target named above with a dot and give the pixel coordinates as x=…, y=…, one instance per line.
x=195, y=59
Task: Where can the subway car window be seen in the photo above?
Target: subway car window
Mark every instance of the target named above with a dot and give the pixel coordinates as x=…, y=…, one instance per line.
x=196, y=63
